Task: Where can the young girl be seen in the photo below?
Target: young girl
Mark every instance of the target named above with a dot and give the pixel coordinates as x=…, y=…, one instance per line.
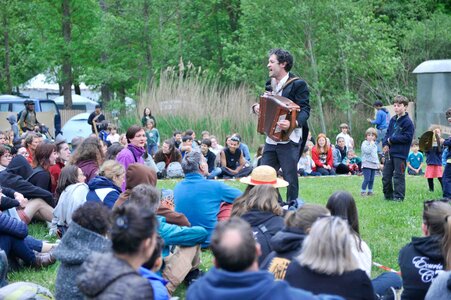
x=306, y=165
x=322, y=156
x=153, y=137
x=71, y=193
x=113, y=137
x=370, y=161
x=434, y=160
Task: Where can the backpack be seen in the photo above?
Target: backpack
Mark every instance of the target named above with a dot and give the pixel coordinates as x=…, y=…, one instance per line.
x=174, y=170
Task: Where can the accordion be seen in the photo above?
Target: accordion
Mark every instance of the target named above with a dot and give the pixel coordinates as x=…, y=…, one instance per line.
x=272, y=110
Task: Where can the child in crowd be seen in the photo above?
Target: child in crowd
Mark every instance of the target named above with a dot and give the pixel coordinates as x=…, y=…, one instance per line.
x=349, y=141
x=306, y=164
x=210, y=157
x=103, y=130
x=415, y=160
x=187, y=145
x=434, y=160
x=340, y=156
x=355, y=162
x=257, y=158
x=150, y=270
x=153, y=137
x=322, y=156
x=396, y=148
x=370, y=161
x=113, y=137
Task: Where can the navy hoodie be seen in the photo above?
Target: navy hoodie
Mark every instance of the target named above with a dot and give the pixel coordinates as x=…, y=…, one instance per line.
x=102, y=189
x=286, y=244
x=400, y=132
x=265, y=225
x=222, y=285
x=421, y=261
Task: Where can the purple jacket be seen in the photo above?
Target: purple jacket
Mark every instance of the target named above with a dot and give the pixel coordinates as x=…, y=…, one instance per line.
x=89, y=168
x=128, y=156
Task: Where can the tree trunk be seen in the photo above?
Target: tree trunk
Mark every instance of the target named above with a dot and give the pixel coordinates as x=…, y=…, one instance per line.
x=105, y=93
x=67, y=66
x=147, y=39
x=316, y=83
x=8, y=82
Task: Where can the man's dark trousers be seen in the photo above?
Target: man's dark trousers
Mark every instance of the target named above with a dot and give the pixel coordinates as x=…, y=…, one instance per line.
x=394, y=178
x=284, y=156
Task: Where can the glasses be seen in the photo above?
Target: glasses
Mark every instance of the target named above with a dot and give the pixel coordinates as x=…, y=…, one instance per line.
x=429, y=203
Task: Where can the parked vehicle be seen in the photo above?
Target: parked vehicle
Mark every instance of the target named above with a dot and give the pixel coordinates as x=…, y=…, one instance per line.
x=10, y=103
x=77, y=126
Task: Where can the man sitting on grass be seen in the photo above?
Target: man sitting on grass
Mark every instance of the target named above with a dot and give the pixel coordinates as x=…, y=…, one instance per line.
x=236, y=274
x=233, y=164
x=199, y=199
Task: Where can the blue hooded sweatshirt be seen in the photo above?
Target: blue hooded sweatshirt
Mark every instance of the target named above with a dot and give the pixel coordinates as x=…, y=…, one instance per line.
x=102, y=189
x=400, y=133
x=382, y=119
x=260, y=285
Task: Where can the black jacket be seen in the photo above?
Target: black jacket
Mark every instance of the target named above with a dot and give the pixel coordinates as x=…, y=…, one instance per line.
x=400, y=132
x=286, y=244
x=298, y=92
x=420, y=262
x=15, y=175
x=264, y=225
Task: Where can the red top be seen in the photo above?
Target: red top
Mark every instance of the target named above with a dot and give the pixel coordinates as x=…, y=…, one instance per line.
x=316, y=158
x=55, y=172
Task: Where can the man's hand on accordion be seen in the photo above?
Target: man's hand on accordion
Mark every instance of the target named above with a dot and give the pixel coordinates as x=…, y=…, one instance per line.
x=284, y=124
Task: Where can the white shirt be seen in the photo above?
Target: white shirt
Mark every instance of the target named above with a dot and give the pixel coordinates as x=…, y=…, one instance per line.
x=296, y=134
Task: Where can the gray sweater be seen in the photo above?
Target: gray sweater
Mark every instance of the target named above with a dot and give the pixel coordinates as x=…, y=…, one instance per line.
x=75, y=247
x=370, y=159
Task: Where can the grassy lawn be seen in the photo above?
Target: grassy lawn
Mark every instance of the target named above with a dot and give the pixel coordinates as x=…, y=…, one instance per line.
x=386, y=226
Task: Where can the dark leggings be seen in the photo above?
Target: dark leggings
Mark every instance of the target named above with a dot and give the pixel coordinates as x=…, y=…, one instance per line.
x=431, y=183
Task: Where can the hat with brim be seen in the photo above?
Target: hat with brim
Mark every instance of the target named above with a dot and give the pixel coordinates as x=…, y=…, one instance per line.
x=264, y=175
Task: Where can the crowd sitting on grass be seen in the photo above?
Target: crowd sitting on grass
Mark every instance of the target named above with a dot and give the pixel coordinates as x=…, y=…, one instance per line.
x=101, y=201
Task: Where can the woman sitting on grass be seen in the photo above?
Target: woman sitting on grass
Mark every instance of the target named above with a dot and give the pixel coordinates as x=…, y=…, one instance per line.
x=322, y=156
x=342, y=204
x=326, y=264
x=89, y=157
x=71, y=193
x=44, y=157
x=105, y=187
x=86, y=234
x=423, y=258
x=287, y=243
x=264, y=214
x=114, y=275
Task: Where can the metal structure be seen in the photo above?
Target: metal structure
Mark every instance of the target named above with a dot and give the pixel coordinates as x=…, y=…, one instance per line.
x=433, y=95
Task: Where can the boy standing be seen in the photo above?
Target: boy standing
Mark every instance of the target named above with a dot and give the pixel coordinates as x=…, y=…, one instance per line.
x=396, y=146
x=415, y=161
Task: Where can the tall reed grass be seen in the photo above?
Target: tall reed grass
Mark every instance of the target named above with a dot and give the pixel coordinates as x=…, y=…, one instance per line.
x=199, y=103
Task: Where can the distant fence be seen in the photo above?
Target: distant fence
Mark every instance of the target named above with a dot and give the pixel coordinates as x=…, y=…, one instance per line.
x=66, y=114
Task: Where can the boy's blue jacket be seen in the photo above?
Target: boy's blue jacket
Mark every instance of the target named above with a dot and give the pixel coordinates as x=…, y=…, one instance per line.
x=400, y=132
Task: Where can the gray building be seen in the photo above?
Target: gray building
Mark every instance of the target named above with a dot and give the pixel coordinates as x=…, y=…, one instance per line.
x=433, y=95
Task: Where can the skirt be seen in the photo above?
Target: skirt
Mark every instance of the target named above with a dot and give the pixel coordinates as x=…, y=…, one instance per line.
x=433, y=171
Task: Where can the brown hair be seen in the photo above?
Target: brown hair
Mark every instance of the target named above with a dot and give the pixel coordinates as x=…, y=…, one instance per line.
x=264, y=197
x=89, y=149
x=401, y=100
x=132, y=131
x=42, y=155
x=305, y=216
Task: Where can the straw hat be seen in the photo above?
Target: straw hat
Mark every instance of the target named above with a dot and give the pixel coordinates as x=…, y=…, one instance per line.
x=264, y=175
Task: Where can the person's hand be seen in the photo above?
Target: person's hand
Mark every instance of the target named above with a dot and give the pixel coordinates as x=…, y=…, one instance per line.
x=284, y=124
x=22, y=200
x=372, y=142
x=256, y=108
x=385, y=149
x=369, y=120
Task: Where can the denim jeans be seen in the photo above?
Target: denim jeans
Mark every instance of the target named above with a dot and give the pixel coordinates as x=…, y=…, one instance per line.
x=368, y=179
x=385, y=281
x=216, y=172
x=15, y=247
x=380, y=137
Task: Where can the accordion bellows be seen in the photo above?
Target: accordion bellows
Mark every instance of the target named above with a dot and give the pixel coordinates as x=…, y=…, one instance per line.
x=272, y=110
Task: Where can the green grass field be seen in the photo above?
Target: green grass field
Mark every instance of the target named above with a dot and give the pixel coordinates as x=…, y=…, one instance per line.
x=386, y=226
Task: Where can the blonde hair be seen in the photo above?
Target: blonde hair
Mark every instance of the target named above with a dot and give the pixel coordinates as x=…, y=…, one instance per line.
x=111, y=168
x=327, y=248
x=264, y=197
x=305, y=216
x=372, y=131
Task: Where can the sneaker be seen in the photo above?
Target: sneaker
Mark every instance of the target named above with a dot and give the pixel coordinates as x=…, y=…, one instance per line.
x=363, y=194
x=44, y=260
x=398, y=199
